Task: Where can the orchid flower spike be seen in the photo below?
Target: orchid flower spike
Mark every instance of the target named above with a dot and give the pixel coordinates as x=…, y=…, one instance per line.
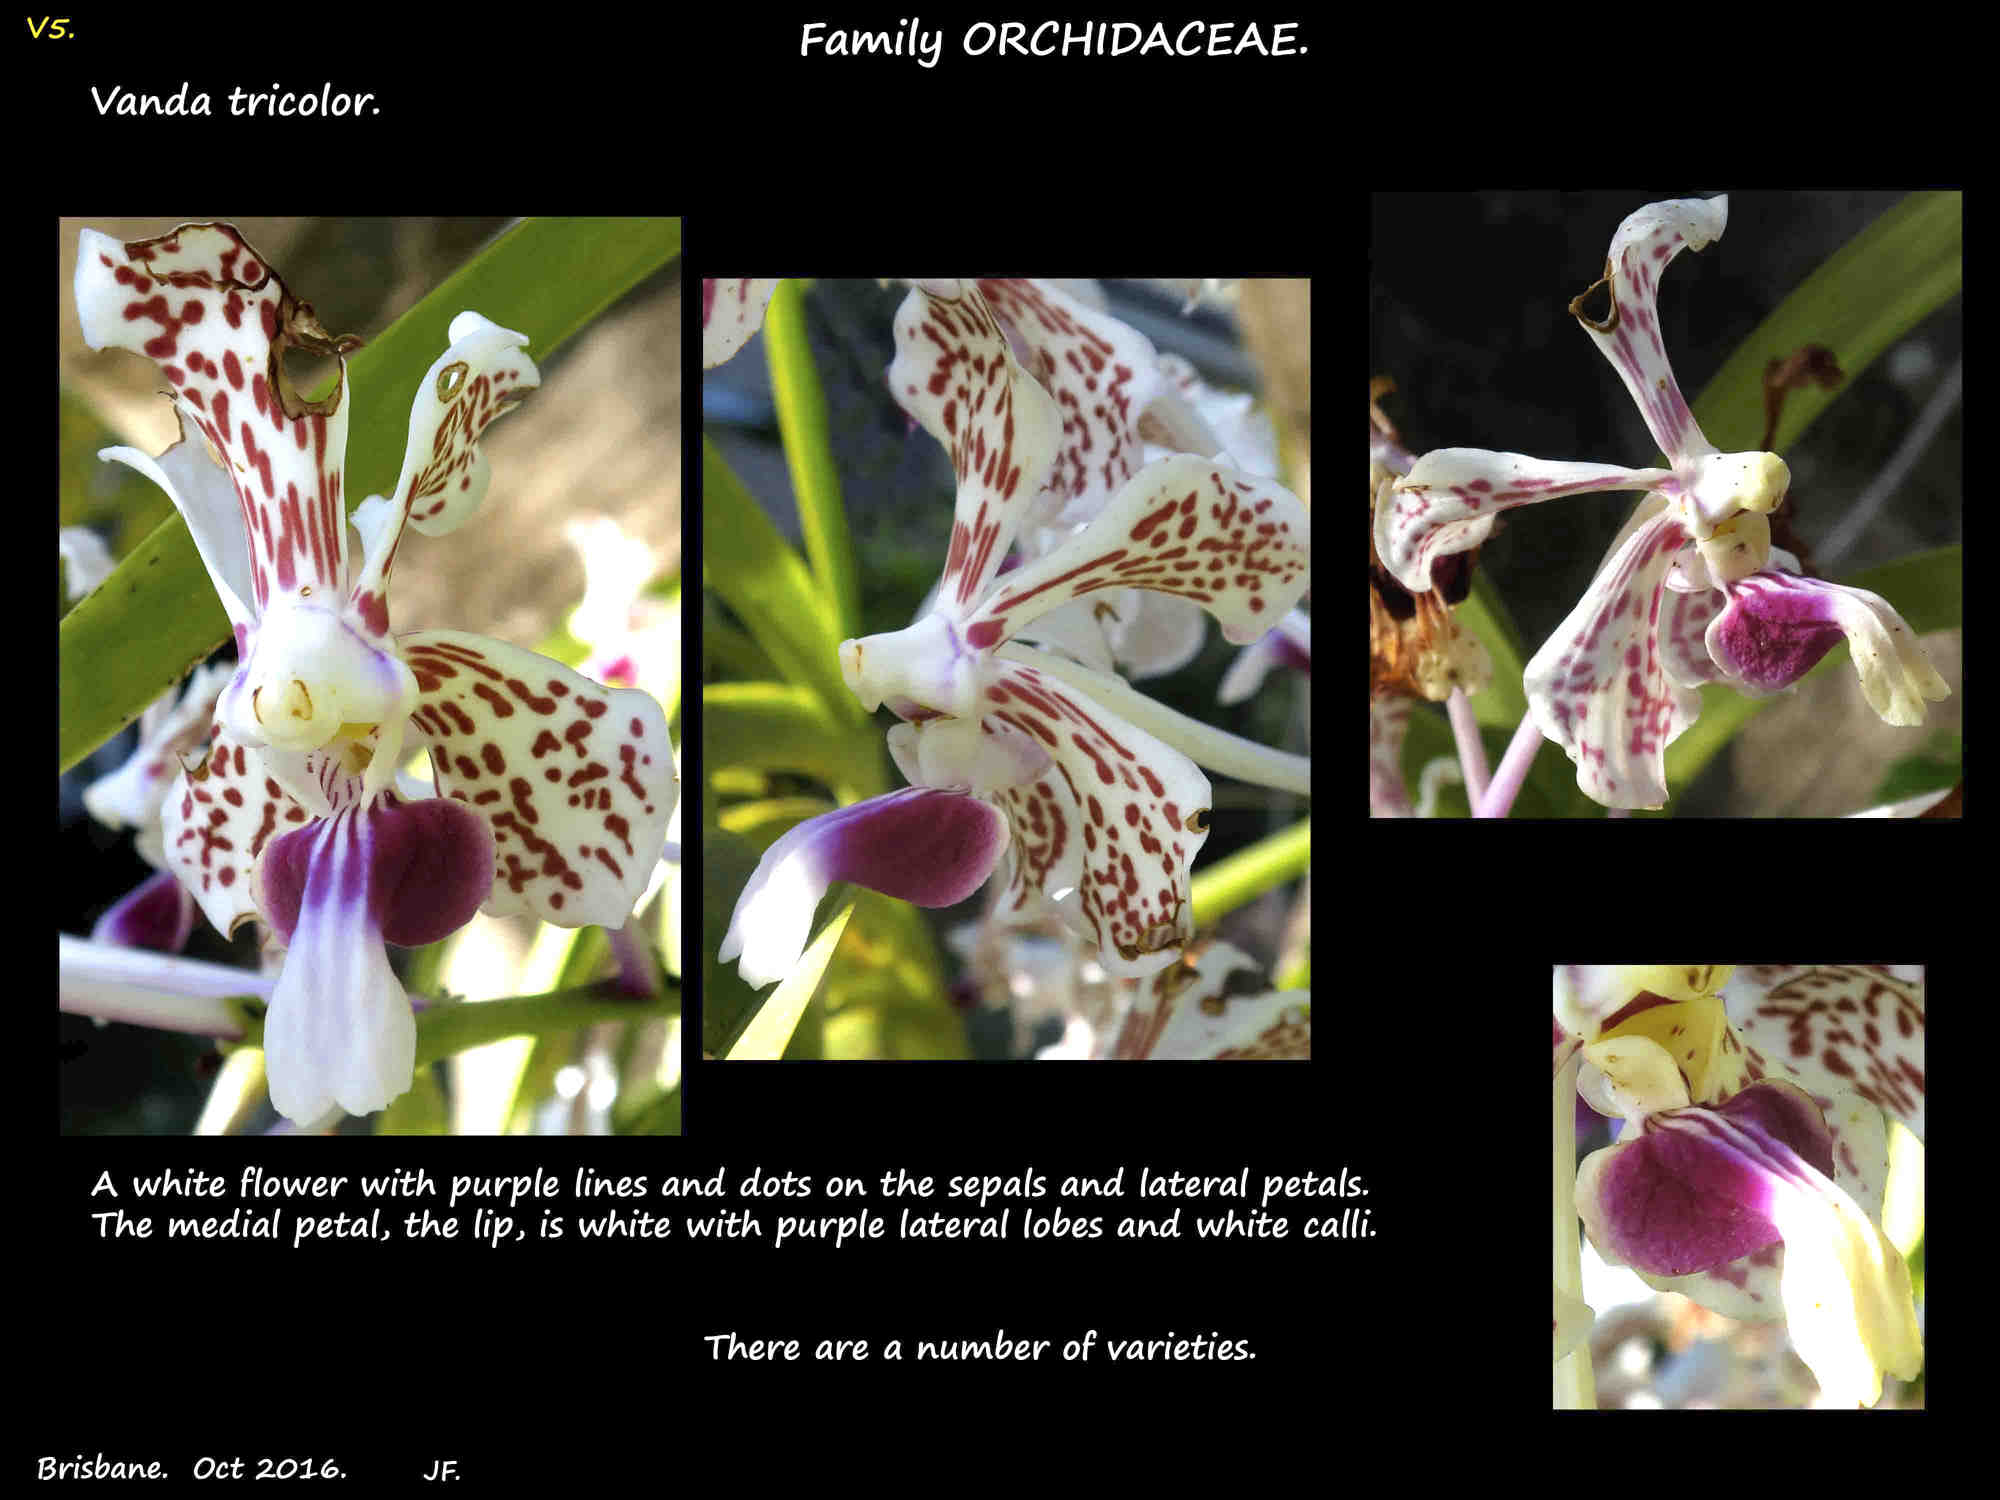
x=1693, y=592
x=1751, y=1170
x=1004, y=752
x=552, y=793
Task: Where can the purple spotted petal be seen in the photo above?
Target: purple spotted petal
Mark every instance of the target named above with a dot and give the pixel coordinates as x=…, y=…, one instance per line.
x=1629, y=337
x=1684, y=620
x=1102, y=374
x=1108, y=831
x=576, y=780
x=1834, y=1027
x=956, y=374
x=207, y=308
x=1237, y=545
x=1697, y=1188
x=731, y=313
x=1448, y=502
x=1216, y=1006
x=930, y=847
x=1777, y=626
x=217, y=820
x=481, y=376
x=1598, y=687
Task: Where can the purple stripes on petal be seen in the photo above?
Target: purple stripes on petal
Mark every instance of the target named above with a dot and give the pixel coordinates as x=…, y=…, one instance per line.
x=419, y=869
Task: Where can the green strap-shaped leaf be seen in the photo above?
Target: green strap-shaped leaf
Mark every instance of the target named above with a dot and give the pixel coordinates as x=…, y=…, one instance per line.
x=158, y=615
x=1224, y=885
x=808, y=453
x=774, y=726
x=748, y=563
x=1880, y=285
x=769, y=1030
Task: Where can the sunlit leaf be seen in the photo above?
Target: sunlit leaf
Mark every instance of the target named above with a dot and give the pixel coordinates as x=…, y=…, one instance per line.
x=774, y=726
x=769, y=1031
x=748, y=564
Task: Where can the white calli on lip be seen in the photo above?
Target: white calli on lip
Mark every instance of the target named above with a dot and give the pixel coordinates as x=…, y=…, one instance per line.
x=552, y=792
x=1095, y=812
x=1690, y=593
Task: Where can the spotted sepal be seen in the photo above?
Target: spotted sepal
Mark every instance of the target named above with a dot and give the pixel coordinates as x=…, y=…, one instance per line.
x=1451, y=497
x=1219, y=1006
x=1830, y=1027
x=1107, y=832
x=1237, y=545
x=481, y=376
x=207, y=308
x=217, y=820
x=955, y=373
x=731, y=313
x=1629, y=333
x=1599, y=686
x=1103, y=375
x=576, y=780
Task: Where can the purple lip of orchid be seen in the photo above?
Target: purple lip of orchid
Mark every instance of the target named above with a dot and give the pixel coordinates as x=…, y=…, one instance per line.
x=1695, y=1189
x=1101, y=818
x=1752, y=1171
x=553, y=793
x=1614, y=685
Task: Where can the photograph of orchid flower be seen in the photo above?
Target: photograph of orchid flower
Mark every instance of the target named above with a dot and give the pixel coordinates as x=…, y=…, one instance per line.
x=1670, y=484
x=393, y=846
x=980, y=777
x=1739, y=1185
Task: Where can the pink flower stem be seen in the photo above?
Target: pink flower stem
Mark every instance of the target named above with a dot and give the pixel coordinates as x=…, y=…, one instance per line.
x=1506, y=784
x=1471, y=748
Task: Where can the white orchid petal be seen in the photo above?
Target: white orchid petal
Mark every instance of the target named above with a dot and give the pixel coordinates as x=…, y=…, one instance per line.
x=731, y=314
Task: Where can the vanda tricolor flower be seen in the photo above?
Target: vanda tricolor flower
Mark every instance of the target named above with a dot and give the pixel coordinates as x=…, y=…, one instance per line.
x=1693, y=593
x=1005, y=752
x=1751, y=1168
x=552, y=793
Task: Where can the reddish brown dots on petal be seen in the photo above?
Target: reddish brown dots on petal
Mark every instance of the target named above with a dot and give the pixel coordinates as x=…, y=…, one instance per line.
x=524, y=805
x=500, y=706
